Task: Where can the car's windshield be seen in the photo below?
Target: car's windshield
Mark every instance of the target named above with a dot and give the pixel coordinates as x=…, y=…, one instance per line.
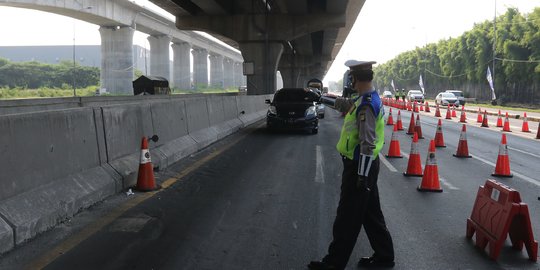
x=295, y=95
x=448, y=95
x=415, y=92
x=457, y=93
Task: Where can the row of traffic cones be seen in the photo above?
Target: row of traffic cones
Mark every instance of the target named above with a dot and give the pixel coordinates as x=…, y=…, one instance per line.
x=430, y=178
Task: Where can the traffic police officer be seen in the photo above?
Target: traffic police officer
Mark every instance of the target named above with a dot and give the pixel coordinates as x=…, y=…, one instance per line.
x=403, y=94
x=362, y=138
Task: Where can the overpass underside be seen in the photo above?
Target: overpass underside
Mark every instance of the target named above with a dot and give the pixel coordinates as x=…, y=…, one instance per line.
x=299, y=38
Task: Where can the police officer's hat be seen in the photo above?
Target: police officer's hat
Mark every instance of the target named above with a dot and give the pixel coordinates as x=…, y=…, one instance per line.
x=356, y=65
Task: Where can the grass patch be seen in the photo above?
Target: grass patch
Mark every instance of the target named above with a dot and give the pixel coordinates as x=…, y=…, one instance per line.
x=205, y=91
x=19, y=93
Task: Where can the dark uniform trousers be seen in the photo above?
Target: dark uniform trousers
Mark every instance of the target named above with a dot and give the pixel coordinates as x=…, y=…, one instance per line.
x=357, y=207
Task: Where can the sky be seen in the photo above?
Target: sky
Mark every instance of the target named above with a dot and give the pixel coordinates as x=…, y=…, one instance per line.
x=383, y=29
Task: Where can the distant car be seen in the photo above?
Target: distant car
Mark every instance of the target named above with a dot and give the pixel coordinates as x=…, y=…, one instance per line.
x=459, y=95
x=294, y=108
x=387, y=94
x=415, y=95
x=445, y=99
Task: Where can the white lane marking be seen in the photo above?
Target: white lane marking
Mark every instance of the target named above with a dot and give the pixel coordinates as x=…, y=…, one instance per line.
x=448, y=184
x=404, y=154
x=526, y=178
x=524, y=152
x=387, y=164
x=295, y=226
x=319, y=172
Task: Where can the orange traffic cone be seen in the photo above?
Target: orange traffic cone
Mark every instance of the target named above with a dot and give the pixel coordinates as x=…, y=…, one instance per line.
x=145, y=178
x=499, y=119
x=525, y=126
x=448, y=113
x=502, y=169
x=399, y=123
x=390, y=120
x=410, y=131
x=439, y=139
x=463, y=146
x=538, y=132
x=421, y=106
x=485, y=120
x=506, y=127
x=479, y=118
x=394, y=151
x=437, y=111
x=427, y=107
x=416, y=109
x=418, y=127
x=454, y=111
x=430, y=180
x=414, y=166
x=409, y=107
x=463, y=116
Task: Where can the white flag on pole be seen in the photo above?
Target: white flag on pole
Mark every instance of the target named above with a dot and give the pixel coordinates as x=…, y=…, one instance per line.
x=490, y=80
x=421, y=83
x=393, y=87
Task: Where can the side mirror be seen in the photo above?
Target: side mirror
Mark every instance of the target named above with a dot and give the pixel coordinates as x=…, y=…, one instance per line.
x=154, y=138
x=267, y=101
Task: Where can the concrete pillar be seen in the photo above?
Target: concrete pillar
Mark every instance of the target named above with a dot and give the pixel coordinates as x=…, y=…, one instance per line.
x=238, y=74
x=216, y=71
x=116, y=59
x=200, y=68
x=265, y=58
x=290, y=76
x=181, y=65
x=228, y=67
x=159, y=56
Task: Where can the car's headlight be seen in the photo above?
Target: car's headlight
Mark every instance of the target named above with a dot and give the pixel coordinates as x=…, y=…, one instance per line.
x=272, y=110
x=311, y=111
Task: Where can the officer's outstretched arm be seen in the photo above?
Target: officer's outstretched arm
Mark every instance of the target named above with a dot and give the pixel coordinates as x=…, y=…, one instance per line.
x=343, y=104
x=367, y=137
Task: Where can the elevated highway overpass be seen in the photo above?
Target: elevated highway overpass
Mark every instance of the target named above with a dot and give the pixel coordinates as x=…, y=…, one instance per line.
x=119, y=19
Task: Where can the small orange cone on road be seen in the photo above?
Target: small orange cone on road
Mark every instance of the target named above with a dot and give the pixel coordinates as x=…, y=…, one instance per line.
x=463, y=116
x=421, y=106
x=410, y=131
x=439, y=139
x=399, y=123
x=394, y=151
x=437, y=111
x=506, y=127
x=415, y=108
x=427, y=107
x=454, y=111
x=448, y=113
x=525, y=126
x=418, y=127
x=538, y=132
x=479, y=118
x=463, y=147
x=430, y=180
x=414, y=166
x=390, y=120
x=409, y=107
x=145, y=178
x=485, y=122
x=502, y=169
x=499, y=119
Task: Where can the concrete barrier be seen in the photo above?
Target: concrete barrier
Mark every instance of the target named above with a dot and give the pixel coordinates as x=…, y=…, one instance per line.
x=66, y=160
x=46, y=178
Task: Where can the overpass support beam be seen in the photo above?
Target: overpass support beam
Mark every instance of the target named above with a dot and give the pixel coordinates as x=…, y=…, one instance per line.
x=264, y=57
x=228, y=65
x=116, y=59
x=159, y=56
x=238, y=74
x=216, y=71
x=200, y=68
x=290, y=77
x=181, y=65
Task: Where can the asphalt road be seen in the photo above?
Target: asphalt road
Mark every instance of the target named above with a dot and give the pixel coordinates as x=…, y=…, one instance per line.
x=261, y=200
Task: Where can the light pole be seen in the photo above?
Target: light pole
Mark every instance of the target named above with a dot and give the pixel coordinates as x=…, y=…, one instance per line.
x=73, y=69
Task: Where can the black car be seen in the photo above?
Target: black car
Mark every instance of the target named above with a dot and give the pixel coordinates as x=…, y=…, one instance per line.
x=293, y=108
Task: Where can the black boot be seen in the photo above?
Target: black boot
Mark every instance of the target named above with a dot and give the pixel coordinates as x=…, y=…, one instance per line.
x=372, y=262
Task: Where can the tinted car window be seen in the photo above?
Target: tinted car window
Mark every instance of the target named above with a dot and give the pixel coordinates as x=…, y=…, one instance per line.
x=457, y=94
x=295, y=95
